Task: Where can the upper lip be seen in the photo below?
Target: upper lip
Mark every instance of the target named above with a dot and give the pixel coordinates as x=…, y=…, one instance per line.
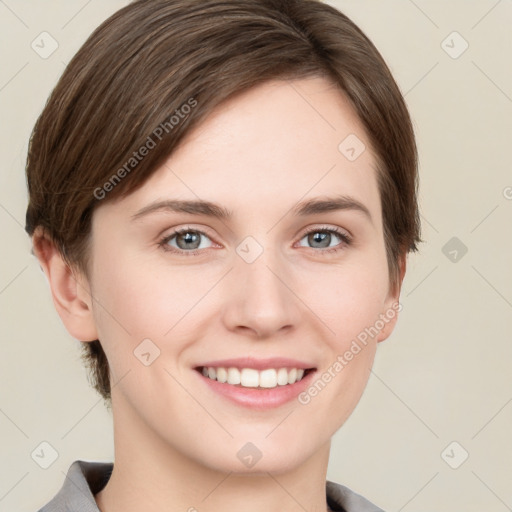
x=258, y=364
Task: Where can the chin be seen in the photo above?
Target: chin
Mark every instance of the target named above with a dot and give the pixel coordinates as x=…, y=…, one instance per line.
x=260, y=457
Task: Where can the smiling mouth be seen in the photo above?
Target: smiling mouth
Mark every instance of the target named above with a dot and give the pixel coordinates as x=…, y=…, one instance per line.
x=252, y=378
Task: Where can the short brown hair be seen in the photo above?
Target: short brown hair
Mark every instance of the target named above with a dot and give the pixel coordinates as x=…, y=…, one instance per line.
x=147, y=61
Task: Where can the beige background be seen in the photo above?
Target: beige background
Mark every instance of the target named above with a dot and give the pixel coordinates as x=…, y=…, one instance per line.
x=445, y=373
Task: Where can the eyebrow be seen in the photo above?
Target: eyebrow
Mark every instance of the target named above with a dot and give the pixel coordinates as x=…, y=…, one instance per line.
x=209, y=209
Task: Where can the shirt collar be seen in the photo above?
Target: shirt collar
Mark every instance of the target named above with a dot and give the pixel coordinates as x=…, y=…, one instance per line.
x=85, y=479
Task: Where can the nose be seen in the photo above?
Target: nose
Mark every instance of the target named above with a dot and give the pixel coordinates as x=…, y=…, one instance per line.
x=260, y=297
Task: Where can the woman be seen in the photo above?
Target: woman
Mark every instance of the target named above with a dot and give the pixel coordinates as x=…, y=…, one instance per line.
x=222, y=196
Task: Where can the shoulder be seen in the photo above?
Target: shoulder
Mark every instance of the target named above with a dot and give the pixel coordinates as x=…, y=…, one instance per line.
x=83, y=480
x=343, y=499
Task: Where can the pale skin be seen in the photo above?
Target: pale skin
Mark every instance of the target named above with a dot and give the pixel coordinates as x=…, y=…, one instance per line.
x=176, y=441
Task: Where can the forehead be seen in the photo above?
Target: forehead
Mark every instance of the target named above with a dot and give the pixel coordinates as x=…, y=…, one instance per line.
x=275, y=145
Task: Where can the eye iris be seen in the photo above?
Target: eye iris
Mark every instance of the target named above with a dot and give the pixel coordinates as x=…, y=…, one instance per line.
x=188, y=237
x=314, y=237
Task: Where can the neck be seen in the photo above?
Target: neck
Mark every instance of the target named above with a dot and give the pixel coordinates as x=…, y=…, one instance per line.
x=151, y=475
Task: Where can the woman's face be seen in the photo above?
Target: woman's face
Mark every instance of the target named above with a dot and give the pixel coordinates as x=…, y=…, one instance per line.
x=254, y=285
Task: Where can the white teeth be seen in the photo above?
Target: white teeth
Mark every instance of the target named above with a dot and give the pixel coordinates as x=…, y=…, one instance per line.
x=222, y=375
x=233, y=376
x=282, y=376
x=251, y=378
x=268, y=378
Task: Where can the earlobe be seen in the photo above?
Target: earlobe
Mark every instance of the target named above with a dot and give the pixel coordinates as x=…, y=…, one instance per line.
x=70, y=291
x=392, y=305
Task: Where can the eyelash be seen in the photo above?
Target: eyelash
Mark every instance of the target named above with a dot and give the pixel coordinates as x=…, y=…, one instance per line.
x=346, y=240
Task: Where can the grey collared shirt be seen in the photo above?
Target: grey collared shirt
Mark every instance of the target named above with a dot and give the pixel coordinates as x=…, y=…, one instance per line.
x=85, y=479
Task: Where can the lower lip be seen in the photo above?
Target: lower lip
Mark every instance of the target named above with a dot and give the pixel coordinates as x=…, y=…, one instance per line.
x=258, y=398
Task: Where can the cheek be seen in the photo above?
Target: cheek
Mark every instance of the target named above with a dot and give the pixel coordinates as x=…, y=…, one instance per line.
x=125, y=300
x=347, y=303
x=350, y=297
x=139, y=299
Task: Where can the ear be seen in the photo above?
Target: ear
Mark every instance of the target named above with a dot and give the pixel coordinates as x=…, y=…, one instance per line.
x=392, y=306
x=70, y=290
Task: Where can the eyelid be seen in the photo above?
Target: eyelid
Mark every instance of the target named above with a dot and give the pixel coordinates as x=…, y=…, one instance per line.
x=325, y=227
x=170, y=232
